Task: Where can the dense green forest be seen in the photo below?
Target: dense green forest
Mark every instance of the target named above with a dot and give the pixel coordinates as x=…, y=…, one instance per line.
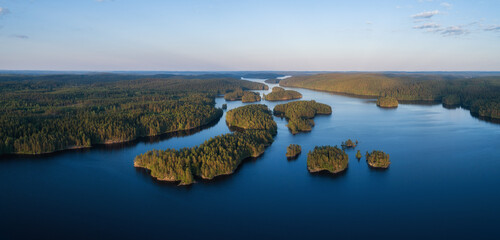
x=41, y=114
x=332, y=159
x=293, y=150
x=387, y=102
x=300, y=113
x=280, y=94
x=249, y=97
x=254, y=116
x=378, y=159
x=479, y=94
x=218, y=156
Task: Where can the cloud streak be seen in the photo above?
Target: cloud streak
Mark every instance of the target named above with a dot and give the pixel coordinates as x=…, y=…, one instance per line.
x=20, y=36
x=493, y=28
x=424, y=15
x=427, y=26
x=454, y=31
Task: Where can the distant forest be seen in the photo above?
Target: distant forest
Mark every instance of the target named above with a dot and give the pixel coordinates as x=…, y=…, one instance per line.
x=481, y=95
x=41, y=114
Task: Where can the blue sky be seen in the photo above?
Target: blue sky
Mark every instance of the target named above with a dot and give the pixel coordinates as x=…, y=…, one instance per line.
x=404, y=35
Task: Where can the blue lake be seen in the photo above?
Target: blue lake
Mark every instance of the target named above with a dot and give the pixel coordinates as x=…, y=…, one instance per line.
x=443, y=183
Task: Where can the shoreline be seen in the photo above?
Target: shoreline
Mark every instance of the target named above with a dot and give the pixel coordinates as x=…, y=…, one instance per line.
x=408, y=102
x=172, y=180
x=106, y=143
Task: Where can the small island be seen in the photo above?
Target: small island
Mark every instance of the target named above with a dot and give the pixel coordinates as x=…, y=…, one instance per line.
x=358, y=155
x=300, y=113
x=217, y=156
x=378, y=159
x=293, y=150
x=387, y=102
x=249, y=97
x=349, y=144
x=280, y=94
x=328, y=158
x=224, y=106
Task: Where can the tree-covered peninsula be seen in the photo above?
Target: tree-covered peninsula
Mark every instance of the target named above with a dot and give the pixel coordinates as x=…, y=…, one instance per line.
x=300, y=113
x=332, y=159
x=377, y=159
x=41, y=114
x=481, y=95
x=280, y=94
x=293, y=150
x=218, y=156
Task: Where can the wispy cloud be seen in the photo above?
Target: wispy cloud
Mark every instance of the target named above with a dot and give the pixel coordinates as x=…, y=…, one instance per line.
x=427, y=26
x=428, y=14
x=20, y=36
x=446, y=5
x=493, y=28
x=454, y=31
x=4, y=11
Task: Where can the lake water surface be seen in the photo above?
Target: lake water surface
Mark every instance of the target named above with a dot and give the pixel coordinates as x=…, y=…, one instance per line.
x=443, y=183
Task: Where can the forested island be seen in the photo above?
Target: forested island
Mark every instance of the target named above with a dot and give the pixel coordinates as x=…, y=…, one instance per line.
x=481, y=95
x=349, y=144
x=377, y=159
x=218, y=156
x=332, y=159
x=358, y=155
x=235, y=95
x=254, y=116
x=244, y=96
x=387, y=102
x=299, y=114
x=293, y=150
x=42, y=114
x=249, y=97
x=280, y=94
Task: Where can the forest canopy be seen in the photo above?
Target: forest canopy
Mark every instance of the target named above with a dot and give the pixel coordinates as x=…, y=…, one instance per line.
x=249, y=97
x=41, y=114
x=254, y=116
x=332, y=159
x=377, y=159
x=293, y=150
